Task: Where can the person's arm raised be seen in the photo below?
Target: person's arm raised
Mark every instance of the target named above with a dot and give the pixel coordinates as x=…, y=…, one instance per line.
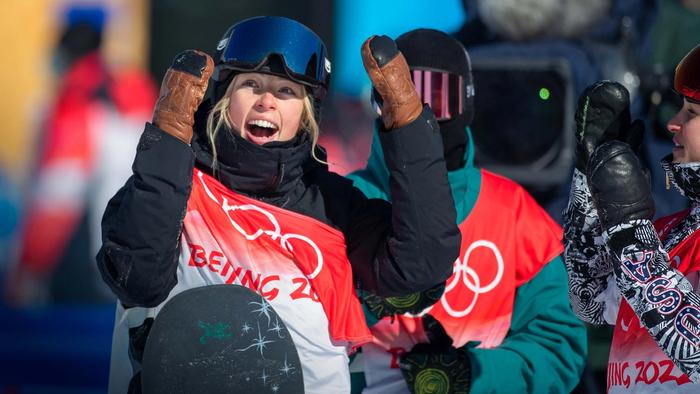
x=142, y=223
x=422, y=242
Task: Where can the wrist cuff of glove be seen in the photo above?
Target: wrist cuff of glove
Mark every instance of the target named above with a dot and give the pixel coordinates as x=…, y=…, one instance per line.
x=380, y=307
x=416, y=302
x=634, y=232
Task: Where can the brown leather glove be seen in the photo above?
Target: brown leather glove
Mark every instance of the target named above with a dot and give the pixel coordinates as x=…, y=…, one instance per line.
x=181, y=92
x=388, y=70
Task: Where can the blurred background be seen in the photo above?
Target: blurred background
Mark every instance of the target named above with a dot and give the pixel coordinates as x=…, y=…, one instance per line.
x=80, y=78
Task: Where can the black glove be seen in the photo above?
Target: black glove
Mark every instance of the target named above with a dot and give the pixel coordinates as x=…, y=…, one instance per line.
x=436, y=367
x=619, y=186
x=603, y=114
x=413, y=303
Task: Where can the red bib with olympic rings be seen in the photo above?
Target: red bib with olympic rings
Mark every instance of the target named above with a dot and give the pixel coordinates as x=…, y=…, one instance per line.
x=506, y=239
x=241, y=231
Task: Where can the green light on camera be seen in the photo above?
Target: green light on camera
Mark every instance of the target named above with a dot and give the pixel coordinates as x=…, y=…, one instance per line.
x=544, y=94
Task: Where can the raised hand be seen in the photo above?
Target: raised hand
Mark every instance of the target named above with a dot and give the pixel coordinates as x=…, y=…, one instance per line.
x=603, y=114
x=619, y=185
x=181, y=92
x=389, y=73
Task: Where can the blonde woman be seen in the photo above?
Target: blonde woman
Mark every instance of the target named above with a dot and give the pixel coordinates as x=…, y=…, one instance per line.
x=239, y=193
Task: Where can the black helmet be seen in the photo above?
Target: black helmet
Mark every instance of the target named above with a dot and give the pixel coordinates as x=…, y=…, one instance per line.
x=273, y=45
x=687, y=79
x=441, y=70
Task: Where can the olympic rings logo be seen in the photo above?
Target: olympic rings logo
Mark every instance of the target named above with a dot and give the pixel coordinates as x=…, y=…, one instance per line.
x=470, y=278
x=274, y=234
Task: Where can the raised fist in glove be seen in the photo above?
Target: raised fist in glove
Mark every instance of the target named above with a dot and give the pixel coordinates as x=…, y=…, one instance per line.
x=436, y=367
x=619, y=185
x=181, y=92
x=389, y=73
x=413, y=303
x=603, y=114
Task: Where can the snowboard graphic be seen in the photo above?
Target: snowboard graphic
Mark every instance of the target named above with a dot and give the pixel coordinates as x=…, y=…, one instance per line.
x=220, y=339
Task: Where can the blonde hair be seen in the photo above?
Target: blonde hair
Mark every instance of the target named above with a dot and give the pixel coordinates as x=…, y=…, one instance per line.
x=218, y=116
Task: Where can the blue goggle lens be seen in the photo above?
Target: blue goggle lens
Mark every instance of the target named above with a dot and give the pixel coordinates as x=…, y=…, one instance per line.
x=250, y=43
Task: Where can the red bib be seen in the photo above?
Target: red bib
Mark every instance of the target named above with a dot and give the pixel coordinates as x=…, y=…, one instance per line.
x=636, y=361
x=245, y=229
x=506, y=239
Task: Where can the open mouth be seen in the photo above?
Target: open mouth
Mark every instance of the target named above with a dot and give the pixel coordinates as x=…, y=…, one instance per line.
x=678, y=152
x=261, y=131
x=677, y=144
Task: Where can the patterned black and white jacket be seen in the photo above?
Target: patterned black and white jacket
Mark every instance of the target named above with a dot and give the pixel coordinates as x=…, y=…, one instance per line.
x=630, y=260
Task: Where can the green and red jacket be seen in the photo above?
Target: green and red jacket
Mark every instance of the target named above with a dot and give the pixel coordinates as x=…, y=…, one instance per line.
x=506, y=302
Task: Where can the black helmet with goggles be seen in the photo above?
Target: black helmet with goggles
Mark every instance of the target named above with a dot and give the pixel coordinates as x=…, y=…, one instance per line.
x=273, y=45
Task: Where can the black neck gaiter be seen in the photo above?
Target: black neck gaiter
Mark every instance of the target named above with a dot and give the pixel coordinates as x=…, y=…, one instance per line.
x=454, y=142
x=272, y=172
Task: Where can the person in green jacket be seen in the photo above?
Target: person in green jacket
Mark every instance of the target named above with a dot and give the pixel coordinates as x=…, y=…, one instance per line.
x=502, y=323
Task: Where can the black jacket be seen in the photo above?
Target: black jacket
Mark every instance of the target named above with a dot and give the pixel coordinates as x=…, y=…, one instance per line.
x=393, y=249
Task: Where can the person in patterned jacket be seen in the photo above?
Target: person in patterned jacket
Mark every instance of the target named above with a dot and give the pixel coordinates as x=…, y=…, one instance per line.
x=624, y=269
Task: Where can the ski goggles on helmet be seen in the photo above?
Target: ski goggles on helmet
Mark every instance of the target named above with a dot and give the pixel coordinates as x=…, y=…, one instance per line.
x=442, y=91
x=249, y=45
x=687, y=78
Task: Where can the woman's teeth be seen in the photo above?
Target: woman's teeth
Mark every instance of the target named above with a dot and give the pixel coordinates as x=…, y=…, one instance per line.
x=263, y=123
x=262, y=128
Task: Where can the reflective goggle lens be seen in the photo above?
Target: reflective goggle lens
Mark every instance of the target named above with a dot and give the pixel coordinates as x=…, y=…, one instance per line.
x=443, y=92
x=252, y=41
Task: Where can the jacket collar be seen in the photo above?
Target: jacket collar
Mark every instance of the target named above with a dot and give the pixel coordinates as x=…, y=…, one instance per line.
x=271, y=173
x=685, y=177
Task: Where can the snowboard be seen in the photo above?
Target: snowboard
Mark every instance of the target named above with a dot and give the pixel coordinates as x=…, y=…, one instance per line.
x=220, y=339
